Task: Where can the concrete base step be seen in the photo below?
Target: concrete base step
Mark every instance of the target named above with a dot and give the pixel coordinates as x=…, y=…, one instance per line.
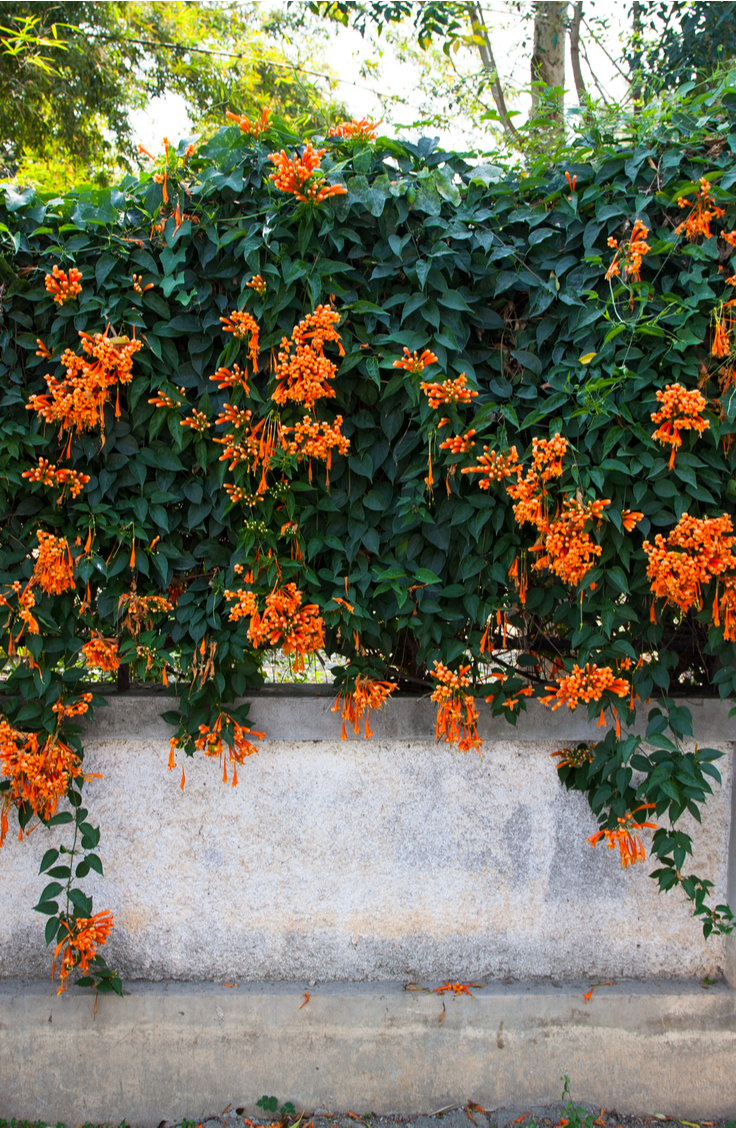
x=167, y=1051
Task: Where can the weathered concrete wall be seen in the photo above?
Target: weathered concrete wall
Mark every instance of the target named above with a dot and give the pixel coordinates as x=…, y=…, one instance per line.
x=387, y=859
x=166, y=1051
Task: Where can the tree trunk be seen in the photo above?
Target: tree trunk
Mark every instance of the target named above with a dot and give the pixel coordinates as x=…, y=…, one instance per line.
x=489, y=65
x=548, y=60
x=577, y=15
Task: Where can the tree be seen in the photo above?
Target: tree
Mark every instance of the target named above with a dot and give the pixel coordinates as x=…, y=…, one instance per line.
x=677, y=42
x=109, y=59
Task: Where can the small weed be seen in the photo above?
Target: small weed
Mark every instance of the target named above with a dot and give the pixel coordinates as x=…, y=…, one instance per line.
x=271, y=1104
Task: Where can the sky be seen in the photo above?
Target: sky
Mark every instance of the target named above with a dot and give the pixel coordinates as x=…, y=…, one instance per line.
x=347, y=52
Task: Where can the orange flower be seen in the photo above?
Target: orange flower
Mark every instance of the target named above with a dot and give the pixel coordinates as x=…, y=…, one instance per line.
x=681, y=411
x=450, y=391
x=242, y=325
x=416, y=363
x=496, y=467
x=297, y=630
x=64, y=286
x=48, y=475
x=459, y=444
x=633, y=251
x=252, y=128
x=367, y=694
x=630, y=518
x=140, y=609
x=258, y=284
x=316, y=440
x=77, y=402
x=303, y=371
x=694, y=552
x=702, y=211
x=245, y=604
x=361, y=130
x=574, y=757
x=198, y=421
x=723, y=324
x=457, y=716
x=234, y=749
x=626, y=837
x=101, y=653
x=80, y=944
x=224, y=378
x=302, y=176
x=585, y=685
x=39, y=773
x=54, y=570
x=76, y=709
x=724, y=608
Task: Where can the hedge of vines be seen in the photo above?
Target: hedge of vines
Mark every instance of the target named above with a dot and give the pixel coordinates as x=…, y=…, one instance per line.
x=471, y=431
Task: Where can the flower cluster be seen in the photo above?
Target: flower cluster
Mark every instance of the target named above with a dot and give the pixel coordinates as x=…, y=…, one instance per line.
x=297, y=630
x=242, y=325
x=54, y=569
x=702, y=211
x=231, y=378
x=416, y=362
x=450, y=391
x=101, y=653
x=47, y=474
x=77, y=402
x=459, y=444
x=198, y=421
x=694, y=552
x=585, y=685
x=258, y=283
x=457, y=716
x=722, y=330
x=252, y=128
x=363, y=129
x=79, y=946
x=39, y=773
x=724, y=607
x=681, y=410
x=64, y=285
x=575, y=757
x=366, y=694
x=629, y=254
x=315, y=440
x=140, y=609
x=565, y=548
x=494, y=467
x=234, y=747
x=302, y=176
x=303, y=371
x=626, y=837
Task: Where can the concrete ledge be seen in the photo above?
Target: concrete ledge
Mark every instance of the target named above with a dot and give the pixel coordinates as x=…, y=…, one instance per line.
x=304, y=713
x=172, y=1050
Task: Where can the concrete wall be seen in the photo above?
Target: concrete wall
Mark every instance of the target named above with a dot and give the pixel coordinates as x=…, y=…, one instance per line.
x=388, y=859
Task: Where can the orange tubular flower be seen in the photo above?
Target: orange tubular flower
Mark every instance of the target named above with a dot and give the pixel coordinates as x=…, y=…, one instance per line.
x=366, y=694
x=450, y=391
x=459, y=444
x=457, y=716
x=77, y=403
x=722, y=328
x=252, y=128
x=565, y=548
x=39, y=773
x=694, y=552
x=494, y=466
x=77, y=709
x=80, y=945
x=702, y=211
x=246, y=605
x=54, y=570
x=101, y=653
x=626, y=837
x=585, y=685
x=258, y=284
x=633, y=251
x=225, y=378
x=234, y=749
x=297, y=630
x=140, y=609
x=242, y=325
x=573, y=757
x=64, y=286
x=630, y=518
x=724, y=608
x=303, y=371
x=361, y=130
x=416, y=363
x=302, y=176
x=198, y=421
x=316, y=440
x=681, y=411
x=48, y=475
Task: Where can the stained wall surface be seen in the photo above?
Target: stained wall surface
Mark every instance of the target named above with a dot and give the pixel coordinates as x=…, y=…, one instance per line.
x=388, y=859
